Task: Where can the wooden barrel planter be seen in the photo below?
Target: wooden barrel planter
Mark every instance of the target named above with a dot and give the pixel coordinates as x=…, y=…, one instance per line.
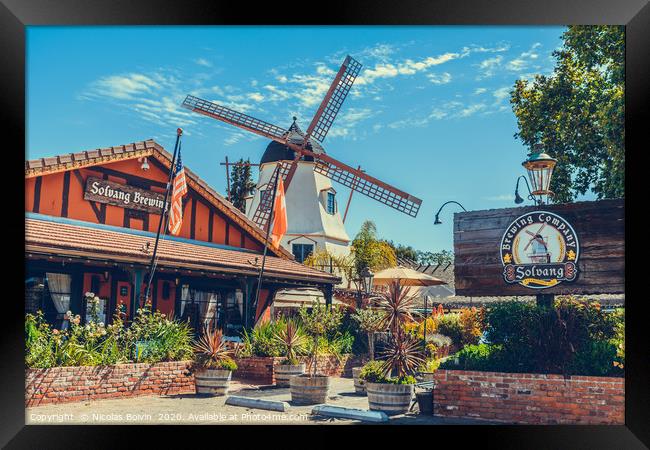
x=212, y=382
x=308, y=390
x=390, y=398
x=284, y=372
x=359, y=384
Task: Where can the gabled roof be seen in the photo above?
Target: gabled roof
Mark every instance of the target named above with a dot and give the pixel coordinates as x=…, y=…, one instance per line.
x=89, y=158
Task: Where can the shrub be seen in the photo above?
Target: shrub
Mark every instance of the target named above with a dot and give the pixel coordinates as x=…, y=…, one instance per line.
x=151, y=338
x=374, y=372
x=449, y=325
x=572, y=337
x=261, y=340
x=476, y=357
x=317, y=322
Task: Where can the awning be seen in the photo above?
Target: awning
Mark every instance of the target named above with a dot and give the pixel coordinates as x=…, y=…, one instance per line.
x=295, y=298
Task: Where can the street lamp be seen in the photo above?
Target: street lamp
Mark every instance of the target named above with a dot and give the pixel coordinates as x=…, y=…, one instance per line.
x=364, y=284
x=540, y=170
x=437, y=221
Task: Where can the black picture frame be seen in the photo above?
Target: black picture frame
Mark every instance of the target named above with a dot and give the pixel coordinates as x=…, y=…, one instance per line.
x=16, y=14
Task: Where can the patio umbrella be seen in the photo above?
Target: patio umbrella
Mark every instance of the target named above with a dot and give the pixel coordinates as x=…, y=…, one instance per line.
x=406, y=277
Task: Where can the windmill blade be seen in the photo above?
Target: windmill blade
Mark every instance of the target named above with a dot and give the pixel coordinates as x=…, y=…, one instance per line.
x=331, y=104
x=235, y=118
x=365, y=184
x=264, y=206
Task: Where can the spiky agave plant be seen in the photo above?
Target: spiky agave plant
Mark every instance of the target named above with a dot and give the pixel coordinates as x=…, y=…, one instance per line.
x=398, y=307
x=212, y=352
x=402, y=356
x=292, y=339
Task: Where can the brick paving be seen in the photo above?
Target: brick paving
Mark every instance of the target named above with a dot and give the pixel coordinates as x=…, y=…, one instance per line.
x=184, y=409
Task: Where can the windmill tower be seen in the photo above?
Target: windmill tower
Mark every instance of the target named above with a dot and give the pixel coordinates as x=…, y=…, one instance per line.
x=307, y=171
x=313, y=216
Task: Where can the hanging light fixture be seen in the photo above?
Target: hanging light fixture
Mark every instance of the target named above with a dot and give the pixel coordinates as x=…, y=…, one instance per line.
x=540, y=170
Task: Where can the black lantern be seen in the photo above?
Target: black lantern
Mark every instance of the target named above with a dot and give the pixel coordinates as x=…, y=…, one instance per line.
x=540, y=170
x=367, y=278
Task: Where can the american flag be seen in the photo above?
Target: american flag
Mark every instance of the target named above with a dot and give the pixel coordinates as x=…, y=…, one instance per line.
x=179, y=189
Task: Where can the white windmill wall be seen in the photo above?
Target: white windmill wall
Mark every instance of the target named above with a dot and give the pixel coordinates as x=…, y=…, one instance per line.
x=307, y=217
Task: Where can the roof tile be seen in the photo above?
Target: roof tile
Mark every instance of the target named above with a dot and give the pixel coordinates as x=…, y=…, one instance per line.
x=62, y=238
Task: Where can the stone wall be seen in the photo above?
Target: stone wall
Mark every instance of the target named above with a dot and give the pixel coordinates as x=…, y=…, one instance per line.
x=526, y=398
x=260, y=369
x=72, y=384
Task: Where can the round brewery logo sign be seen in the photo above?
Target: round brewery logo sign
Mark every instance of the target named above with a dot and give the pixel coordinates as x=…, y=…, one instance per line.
x=539, y=250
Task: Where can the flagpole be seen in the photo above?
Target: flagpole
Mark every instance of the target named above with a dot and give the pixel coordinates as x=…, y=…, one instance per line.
x=266, y=241
x=163, y=215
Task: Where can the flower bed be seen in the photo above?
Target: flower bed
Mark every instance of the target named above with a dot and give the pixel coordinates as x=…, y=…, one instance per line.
x=80, y=383
x=528, y=398
x=261, y=368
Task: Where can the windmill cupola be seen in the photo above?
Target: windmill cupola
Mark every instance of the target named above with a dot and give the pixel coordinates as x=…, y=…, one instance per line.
x=278, y=152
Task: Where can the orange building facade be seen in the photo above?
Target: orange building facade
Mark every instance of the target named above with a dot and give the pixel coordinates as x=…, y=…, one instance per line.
x=91, y=219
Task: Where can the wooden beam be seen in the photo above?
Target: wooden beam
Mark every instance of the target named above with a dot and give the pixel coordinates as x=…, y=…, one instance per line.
x=66, y=194
x=193, y=219
x=37, y=194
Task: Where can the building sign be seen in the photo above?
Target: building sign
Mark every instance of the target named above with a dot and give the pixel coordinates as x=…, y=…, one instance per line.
x=122, y=195
x=573, y=248
x=539, y=250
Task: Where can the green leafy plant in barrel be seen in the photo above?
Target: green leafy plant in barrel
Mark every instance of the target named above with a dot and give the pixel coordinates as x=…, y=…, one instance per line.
x=316, y=323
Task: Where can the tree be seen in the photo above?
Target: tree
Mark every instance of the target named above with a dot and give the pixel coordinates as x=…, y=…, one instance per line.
x=241, y=184
x=404, y=251
x=435, y=258
x=321, y=259
x=371, y=252
x=577, y=113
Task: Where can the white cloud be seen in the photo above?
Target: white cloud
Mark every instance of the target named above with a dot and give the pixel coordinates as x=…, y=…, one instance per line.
x=479, y=91
x=255, y=96
x=442, y=78
x=406, y=67
x=488, y=66
x=502, y=93
x=500, y=198
x=123, y=86
x=203, y=62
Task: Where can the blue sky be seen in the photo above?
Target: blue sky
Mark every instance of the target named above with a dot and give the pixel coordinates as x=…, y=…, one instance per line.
x=428, y=114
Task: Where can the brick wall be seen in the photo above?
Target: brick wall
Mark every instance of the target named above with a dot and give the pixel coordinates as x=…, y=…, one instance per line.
x=72, y=384
x=526, y=398
x=260, y=369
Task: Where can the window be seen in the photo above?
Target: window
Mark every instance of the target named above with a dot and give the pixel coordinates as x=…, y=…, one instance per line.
x=331, y=203
x=302, y=251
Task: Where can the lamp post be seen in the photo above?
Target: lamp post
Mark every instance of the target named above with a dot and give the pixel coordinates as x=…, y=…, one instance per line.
x=437, y=221
x=364, y=284
x=540, y=168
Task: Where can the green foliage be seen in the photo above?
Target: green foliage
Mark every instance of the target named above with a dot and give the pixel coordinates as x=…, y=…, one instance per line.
x=430, y=365
x=574, y=337
x=292, y=340
x=377, y=372
x=371, y=252
x=317, y=322
x=477, y=357
x=435, y=258
x=449, y=325
x=241, y=184
x=262, y=341
x=374, y=372
x=578, y=113
x=151, y=338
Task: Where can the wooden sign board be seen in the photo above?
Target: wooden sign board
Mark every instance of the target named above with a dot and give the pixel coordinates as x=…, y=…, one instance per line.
x=483, y=241
x=122, y=195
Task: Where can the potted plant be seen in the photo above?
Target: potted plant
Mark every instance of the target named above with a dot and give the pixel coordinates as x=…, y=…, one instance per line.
x=371, y=321
x=292, y=340
x=213, y=364
x=390, y=383
x=312, y=388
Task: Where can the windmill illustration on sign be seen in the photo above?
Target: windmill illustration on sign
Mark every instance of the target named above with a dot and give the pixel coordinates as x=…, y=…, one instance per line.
x=313, y=216
x=540, y=253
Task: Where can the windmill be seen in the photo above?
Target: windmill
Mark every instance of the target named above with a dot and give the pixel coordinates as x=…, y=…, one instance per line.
x=308, y=146
x=540, y=252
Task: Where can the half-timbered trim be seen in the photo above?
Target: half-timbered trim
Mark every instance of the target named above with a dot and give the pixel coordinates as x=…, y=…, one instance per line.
x=65, y=194
x=193, y=219
x=37, y=194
